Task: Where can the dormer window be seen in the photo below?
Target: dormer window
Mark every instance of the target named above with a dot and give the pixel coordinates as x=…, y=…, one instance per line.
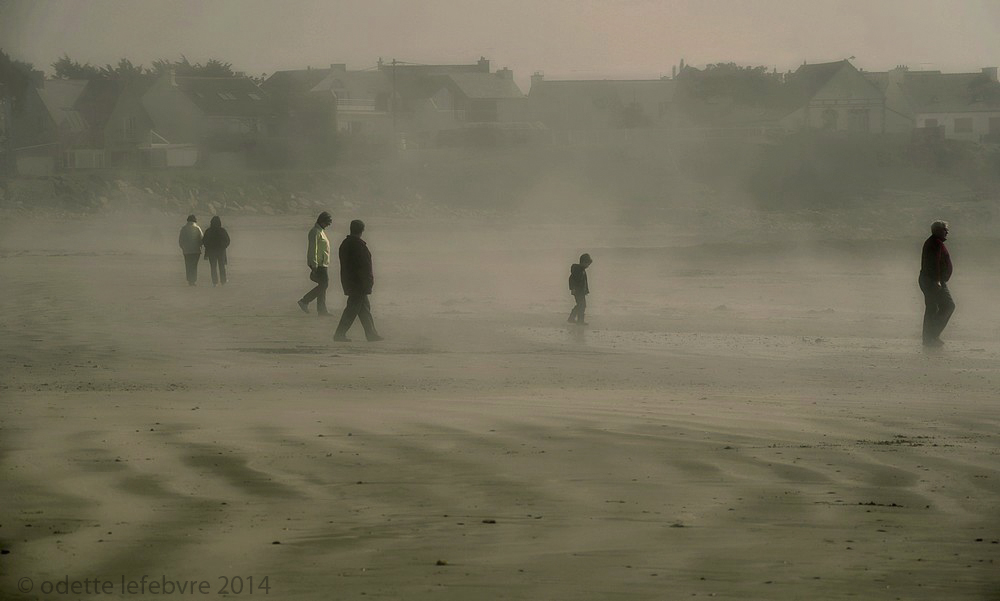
x=253, y=96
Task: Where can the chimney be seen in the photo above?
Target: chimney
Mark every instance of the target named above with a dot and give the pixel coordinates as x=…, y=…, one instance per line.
x=505, y=73
x=990, y=72
x=484, y=64
x=173, y=77
x=536, y=78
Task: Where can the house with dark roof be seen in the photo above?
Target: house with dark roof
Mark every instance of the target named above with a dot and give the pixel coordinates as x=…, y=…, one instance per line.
x=61, y=124
x=320, y=110
x=964, y=106
x=409, y=105
x=128, y=125
x=213, y=121
x=833, y=97
x=305, y=121
x=362, y=102
x=488, y=97
x=456, y=104
x=899, y=116
x=569, y=105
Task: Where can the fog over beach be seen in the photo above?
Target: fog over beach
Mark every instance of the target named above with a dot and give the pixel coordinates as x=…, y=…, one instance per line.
x=750, y=413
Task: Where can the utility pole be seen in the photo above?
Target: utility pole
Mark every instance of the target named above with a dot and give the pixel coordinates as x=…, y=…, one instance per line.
x=7, y=163
x=395, y=141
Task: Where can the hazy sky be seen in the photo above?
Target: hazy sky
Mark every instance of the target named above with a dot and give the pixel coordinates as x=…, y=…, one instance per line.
x=562, y=38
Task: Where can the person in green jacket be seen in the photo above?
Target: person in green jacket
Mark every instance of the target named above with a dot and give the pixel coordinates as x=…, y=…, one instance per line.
x=318, y=260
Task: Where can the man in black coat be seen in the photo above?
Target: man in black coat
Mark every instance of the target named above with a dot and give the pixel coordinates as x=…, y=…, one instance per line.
x=357, y=278
x=935, y=271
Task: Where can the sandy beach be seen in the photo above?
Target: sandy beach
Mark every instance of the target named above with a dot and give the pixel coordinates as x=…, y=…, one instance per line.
x=745, y=418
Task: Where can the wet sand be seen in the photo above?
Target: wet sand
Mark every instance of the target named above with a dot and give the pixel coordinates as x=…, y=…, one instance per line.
x=742, y=419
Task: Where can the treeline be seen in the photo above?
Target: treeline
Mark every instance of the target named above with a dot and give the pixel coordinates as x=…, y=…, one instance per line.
x=16, y=75
x=67, y=68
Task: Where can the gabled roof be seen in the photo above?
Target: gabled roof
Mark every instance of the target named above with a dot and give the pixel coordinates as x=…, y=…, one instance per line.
x=59, y=97
x=936, y=92
x=354, y=84
x=226, y=96
x=414, y=86
x=808, y=80
x=98, y=101
x=282, y=84
x=882, y=79
x=485, y=85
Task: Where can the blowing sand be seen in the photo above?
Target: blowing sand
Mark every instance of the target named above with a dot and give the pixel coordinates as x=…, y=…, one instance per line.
x=744, y=418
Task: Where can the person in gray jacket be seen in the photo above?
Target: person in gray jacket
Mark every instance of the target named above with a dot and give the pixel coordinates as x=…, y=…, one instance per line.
x=190, y=242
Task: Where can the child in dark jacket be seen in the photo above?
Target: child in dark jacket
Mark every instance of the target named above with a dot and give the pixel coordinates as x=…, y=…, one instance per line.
x=579, y=289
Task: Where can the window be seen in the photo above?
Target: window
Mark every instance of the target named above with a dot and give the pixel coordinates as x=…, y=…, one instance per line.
x=253, y=96
x=128, y=126
x=930, y=123
x=226, y=95
x=963, y=125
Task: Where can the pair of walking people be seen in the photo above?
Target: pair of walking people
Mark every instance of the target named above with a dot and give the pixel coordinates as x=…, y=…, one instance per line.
x=215, y=241
x=356, y=277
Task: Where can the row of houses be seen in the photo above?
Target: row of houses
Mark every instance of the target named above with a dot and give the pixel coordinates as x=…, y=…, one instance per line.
x=235, y=122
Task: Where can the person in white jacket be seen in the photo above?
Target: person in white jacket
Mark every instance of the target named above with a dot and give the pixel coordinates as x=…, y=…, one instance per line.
x=318, y=260
x=190, y=242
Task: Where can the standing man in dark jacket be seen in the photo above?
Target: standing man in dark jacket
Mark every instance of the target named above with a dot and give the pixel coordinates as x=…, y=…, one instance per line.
x=357, y=278
x=935, y=271
x=579, y=288
x=216, y=241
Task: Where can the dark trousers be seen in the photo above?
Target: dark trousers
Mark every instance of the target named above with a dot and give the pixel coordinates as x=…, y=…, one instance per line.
x=938, y=307
x=357, y=306
x=319, y=292
x=577, y=314
x=191, y=267
x=218, y=265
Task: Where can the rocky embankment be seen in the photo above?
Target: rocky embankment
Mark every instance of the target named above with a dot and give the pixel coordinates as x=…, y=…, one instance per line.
x=251, y=193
